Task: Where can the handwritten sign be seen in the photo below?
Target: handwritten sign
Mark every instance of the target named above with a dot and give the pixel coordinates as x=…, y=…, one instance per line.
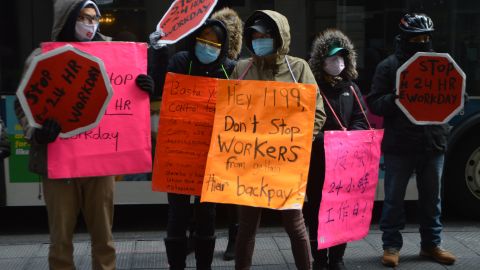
x=121, y=143
x=67, y=85
x=431, y=88
x=183, y=17
x=351, y=176
x=185, y=129
x=261, y=142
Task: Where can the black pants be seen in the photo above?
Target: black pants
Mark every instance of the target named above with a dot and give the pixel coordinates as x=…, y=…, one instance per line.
x=316, y=179
x=180, y=212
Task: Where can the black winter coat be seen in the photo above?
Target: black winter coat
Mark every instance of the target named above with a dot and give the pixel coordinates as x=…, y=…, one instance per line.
x=345, y=105
x=401, y=135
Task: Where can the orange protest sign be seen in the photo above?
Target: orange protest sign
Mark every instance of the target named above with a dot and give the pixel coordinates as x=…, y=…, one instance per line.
x=183, y=17
x=261, y=142
x=185, y=128
x=68, y=85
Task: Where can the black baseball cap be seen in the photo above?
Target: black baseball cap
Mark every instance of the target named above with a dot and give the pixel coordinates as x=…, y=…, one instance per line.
x=261, y=26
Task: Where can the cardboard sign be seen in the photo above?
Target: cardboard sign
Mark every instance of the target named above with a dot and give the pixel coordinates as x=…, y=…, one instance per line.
x=121, y=143
x=261, y=142
x=185, y=129
x=431, y=88
x=183, y=17
x=351, y=175
x=67, y=85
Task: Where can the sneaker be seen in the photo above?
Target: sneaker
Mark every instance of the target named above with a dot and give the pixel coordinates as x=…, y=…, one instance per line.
x=439, y=254
x=390, y=257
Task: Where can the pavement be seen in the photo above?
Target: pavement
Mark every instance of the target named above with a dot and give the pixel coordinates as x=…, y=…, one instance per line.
x=146, y=250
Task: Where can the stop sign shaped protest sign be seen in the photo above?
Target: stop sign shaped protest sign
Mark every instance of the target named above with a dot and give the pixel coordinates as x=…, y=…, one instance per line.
x=430, y=88
x=183, y=17
x=67, y=85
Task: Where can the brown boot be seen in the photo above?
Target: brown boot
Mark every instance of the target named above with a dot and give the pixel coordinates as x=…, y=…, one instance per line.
x=390, y=257
x=438, y=254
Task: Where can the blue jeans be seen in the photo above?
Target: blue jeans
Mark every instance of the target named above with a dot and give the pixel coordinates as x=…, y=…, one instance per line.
x=398, y=169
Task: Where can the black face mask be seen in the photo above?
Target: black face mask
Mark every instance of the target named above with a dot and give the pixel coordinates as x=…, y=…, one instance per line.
x=413, y=47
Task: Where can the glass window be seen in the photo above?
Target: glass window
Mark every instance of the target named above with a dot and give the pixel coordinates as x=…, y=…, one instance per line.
x=372, y=25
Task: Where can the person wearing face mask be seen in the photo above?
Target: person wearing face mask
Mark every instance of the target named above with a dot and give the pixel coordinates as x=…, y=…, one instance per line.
x=409, y=148
x=267, y=37
x=234, y=24
x=207, y=58
x=333, y=62
x=74, y=21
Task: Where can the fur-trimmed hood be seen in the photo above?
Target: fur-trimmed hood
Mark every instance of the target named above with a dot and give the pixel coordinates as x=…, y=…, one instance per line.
x=320, y=47
x=234, y=25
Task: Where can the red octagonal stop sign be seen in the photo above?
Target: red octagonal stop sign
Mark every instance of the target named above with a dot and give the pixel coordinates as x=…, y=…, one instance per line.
x=183, y=17
x=431, y=88
x=67, y=85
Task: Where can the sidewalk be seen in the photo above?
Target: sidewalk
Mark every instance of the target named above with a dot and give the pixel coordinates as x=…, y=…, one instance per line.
x=145, y=250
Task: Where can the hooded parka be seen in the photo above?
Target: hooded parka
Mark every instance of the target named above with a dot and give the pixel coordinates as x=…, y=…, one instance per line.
x=337, y=90
x=179, y=211
x=401, y=135
x=65, y=198
x=65, y=16
x=284, y=68
x=274, y=67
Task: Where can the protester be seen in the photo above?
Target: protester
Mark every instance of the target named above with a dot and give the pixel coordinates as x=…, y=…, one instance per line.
x=234, y=24
x=74, y=21
x=409, y=148
x=208, y=58
x=333, y=62
x=267, y=37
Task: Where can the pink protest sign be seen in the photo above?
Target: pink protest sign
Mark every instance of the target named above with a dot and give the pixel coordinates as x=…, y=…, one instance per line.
x=121, y=143
x=351, y=176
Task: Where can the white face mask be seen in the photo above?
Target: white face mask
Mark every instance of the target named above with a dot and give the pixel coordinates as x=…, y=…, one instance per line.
x=85, y=32
x=334, y=65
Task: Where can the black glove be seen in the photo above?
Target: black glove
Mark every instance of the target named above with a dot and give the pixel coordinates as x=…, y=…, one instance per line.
x=48, y=132
x=145, y=83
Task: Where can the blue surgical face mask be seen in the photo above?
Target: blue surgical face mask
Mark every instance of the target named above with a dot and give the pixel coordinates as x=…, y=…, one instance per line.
x=263, y=46
x=205, y=53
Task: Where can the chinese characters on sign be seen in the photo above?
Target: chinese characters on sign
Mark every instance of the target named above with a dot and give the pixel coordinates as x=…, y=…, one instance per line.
x=351, y=175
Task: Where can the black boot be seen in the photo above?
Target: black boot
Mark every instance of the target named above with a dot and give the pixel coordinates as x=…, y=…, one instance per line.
x=204, y=248
x=176, y=252
x=229, y=253
x=191, y=242
x=335, y=257
x=320, y=259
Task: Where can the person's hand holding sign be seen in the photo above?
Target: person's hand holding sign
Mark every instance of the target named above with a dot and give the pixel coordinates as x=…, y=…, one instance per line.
x=48, y=132
x=155, y=38
x=145, y=83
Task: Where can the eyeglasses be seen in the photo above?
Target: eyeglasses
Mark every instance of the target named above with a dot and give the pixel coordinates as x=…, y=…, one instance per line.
x=218, y=45
x=85, y=18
